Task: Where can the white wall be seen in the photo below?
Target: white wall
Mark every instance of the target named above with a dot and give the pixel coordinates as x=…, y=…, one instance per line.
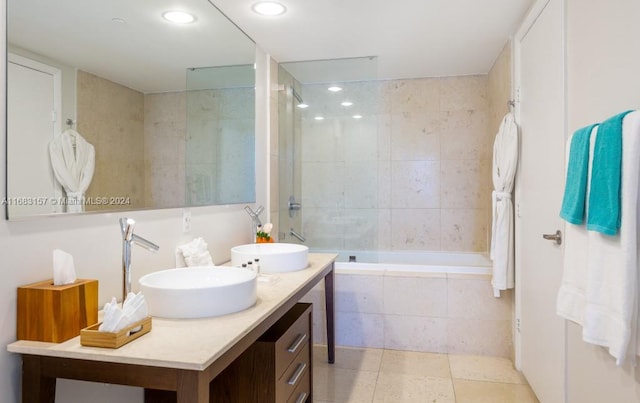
x=603, y=79
x=94, y=241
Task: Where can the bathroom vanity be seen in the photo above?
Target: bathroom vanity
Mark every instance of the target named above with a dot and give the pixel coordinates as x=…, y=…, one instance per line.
x=181, y=355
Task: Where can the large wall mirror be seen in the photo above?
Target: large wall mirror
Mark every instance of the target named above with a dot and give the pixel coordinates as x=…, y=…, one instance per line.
x=110, y=106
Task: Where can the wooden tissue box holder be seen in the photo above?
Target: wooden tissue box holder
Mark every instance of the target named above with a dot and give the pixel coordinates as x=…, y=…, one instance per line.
x=92, y=337
x=55, y=313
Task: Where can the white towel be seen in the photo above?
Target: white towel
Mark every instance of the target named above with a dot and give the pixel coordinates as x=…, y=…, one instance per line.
x=600, y=278
x=573, y=288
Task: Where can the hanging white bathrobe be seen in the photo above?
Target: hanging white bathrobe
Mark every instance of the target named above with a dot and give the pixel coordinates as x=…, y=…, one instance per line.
x=505, y=161
x=73, y=162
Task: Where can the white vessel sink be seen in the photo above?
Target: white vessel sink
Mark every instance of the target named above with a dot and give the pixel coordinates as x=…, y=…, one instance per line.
x=199, y=292
x=274, y=257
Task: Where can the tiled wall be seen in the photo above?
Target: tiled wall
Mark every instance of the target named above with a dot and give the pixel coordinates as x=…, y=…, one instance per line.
x=111, y=117
x=416, y=176
x=164, y=135
x=442, y=313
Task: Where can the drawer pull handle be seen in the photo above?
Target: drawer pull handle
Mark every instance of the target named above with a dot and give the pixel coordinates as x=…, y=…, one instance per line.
x=301, y=338
x=302, y=398
x=296, y=375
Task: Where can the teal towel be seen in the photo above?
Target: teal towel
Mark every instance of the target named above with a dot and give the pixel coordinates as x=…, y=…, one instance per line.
x=604, y=194
x=575, y=188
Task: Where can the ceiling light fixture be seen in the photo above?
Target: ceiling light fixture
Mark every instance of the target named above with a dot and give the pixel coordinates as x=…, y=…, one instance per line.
x=335, y=88
x=357, y=116
x=178, y=17
x=319, y=118
x=346, y=103
x=269, y=8
x=302, y=105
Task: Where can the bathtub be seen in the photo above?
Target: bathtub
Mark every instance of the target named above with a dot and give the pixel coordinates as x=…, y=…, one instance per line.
x=432, y=263
x=419, y=301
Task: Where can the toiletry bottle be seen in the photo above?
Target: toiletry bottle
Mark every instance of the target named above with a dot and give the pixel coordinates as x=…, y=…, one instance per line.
x=257, y=265
x=250, y=265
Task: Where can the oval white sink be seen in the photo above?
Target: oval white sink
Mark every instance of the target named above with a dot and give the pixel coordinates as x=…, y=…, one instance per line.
x=274, y=257
x=199, y=292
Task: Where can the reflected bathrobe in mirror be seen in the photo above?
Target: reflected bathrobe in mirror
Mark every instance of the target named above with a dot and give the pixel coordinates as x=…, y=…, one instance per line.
x=505, y=161
x=73, y=162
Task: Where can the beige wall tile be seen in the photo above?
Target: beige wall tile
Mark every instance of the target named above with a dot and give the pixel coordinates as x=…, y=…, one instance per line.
x=465, y=230
x=415, y=296
x=410, y=95
x=359, y=293
x=415, y=136
x=473, y=299
x=415, y=333
x=359, y=329
x=465, y=184
x=415, y=229
x=415, y=184
x=463, y=93
x=465, y=135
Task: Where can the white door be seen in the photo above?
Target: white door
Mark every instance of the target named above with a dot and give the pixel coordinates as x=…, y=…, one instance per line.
x=33, y=99
x=540, y=84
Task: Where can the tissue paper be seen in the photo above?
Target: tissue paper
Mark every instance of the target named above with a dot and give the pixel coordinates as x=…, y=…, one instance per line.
x=195, y=253
x=64, y=271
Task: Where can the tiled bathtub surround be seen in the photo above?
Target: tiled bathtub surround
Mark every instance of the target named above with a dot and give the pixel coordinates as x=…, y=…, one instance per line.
x=413, y=174
x=428, y=312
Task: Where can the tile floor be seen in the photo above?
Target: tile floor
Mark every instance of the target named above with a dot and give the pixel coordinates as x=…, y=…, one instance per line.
x=376, y=375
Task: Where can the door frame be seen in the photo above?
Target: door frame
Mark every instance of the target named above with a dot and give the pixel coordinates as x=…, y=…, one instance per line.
x=530, y=19
x=55, y=72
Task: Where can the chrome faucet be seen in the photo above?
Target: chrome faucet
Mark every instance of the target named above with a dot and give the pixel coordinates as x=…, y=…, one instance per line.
x=300, y=237
x=255, y=219
x=128, y=237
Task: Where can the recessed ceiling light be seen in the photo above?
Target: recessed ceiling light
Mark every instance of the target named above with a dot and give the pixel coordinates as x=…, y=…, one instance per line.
x=335, y=88
x=319, y=118
x=346, y=103
x=357, y=116
x=302, y=105
x=269, y=8
x=178, y=17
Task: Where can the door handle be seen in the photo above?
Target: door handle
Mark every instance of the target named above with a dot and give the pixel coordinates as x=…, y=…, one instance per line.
x=554, y=237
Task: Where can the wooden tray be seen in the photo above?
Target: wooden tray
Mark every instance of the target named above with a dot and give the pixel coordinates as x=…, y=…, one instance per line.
x=92, y=337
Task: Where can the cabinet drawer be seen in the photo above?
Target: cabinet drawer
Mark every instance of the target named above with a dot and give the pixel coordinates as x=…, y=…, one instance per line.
x=303, y=391
x=289, y=336
x=295, y=376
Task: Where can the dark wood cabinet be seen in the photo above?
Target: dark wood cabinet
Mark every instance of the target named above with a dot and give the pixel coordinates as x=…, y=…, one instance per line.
x=277, y=368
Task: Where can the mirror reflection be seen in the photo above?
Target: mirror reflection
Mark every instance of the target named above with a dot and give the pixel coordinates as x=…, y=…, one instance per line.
x=112, y=107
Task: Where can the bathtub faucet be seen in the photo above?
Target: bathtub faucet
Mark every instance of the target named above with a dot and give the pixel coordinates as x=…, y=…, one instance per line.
x=297, y=235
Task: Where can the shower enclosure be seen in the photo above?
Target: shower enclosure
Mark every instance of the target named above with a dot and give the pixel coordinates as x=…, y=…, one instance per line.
x=329, y=156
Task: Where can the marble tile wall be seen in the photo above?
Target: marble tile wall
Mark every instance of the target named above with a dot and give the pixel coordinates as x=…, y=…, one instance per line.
x=413, y=174
x=435, y=313
x=111, y=117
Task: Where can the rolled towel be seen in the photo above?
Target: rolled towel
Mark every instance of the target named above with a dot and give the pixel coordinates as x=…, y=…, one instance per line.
x=195, y=253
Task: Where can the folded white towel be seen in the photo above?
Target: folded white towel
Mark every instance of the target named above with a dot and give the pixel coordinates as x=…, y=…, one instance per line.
x=611, y=299
x=194, y=253
x=571, y=296
x=133, y=310
x=600, y=277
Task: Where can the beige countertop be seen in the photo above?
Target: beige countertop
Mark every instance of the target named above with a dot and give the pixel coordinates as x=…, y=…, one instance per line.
x=191, y=344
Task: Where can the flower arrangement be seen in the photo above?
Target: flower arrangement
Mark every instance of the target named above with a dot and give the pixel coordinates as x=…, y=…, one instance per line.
x=263, y=235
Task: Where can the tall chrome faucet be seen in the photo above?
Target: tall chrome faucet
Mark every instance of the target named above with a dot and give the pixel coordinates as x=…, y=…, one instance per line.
x=128, y=237
x=255, y=219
